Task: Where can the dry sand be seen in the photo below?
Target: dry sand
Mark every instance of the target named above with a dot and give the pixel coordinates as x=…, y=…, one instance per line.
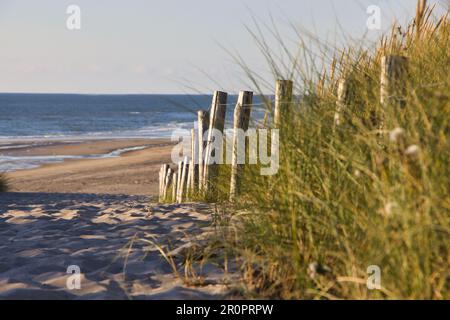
x=93, y=214
x=113, y=239
x=133, y=173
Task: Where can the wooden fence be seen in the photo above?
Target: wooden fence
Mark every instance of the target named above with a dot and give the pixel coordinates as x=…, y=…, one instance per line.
x=198, y=174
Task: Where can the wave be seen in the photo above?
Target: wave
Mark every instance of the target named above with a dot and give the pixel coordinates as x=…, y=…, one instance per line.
x=14, y=163
x=16, y=146
x=163, y=130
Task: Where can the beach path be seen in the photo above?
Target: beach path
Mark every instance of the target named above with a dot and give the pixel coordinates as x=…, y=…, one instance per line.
x=114, y=240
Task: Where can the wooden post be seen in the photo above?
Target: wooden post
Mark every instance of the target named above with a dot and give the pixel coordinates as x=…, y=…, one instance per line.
x=341, y=100
x=393, y=85
x=203, y=123
x=180, y=170
x=162, y=180
x=283, y=99
x=167, y=183
x=190, y=178
x=184, y=176
x=160, y=184
x=241, y=122
x=174, y=186
x=393, y=80
x=165, y=179
x=182, y=180
x=192, y=181
x=216, y=122
x=163, y=183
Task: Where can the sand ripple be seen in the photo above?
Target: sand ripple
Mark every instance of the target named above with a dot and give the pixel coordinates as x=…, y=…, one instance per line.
x=42, y=234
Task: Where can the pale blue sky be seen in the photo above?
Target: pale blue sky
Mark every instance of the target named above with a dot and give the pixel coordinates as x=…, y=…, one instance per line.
x=146, y=46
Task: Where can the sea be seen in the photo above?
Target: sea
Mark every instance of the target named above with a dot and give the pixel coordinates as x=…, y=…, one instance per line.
x=26, y=119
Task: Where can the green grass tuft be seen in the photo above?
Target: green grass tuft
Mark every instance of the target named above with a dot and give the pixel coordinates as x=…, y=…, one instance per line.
x=349, y=197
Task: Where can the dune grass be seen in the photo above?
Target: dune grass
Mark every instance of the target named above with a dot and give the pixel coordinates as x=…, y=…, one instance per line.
x=355, y=195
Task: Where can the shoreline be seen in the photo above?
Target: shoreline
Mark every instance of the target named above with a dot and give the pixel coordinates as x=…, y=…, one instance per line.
x=90, y=167
x=72, y=146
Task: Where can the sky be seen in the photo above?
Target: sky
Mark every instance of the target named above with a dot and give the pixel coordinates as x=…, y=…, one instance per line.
x=172, y=46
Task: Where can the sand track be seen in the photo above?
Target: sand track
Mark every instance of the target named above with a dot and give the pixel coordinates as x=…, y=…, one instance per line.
x=42, y=234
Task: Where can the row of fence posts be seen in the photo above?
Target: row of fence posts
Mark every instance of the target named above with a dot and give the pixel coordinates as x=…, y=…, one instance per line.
x=196, y=174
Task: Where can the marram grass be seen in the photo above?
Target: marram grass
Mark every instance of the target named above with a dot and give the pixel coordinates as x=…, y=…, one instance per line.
x=353, y=196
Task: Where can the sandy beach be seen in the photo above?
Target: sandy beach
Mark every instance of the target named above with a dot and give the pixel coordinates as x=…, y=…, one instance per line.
x=132, y=173
x=113, y=239
x=99, y=215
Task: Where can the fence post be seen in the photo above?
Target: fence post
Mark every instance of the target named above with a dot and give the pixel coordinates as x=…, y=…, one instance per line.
x=192, y=166
x=393, y=83
x=180, y=170
x=283, y=99
x=342, y=95
x=182, y=179
x=166, y=183
x=216, y=123
x=160, y=184
x=190, y=178
x=203, y=123
x=393, y=76
x=174, y=186
x=162, y=180
x=241, y=122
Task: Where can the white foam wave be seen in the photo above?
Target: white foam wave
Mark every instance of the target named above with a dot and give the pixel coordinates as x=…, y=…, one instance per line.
x=14, y=163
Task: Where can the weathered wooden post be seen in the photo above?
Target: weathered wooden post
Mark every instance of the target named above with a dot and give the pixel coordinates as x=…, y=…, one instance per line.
x=342, y=96
x=393, y=89
x=203, y=122
x=160, y=184
x=180, y=170
x=184, y=176
x=214, y=149
x=393, y=80
x=283, y=105
x=190, y=178
x=162, y=180
x=283, y=99
x=167, y=183
x=192, y=166
x=241, y=122
x=182, y=180
x=174, y=186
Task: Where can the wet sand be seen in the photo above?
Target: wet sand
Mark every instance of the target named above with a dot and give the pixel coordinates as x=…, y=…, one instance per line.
x=132, y=173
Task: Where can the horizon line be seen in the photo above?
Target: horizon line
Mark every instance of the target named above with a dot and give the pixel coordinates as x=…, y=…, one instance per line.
x=122, y=94
x=100, y=93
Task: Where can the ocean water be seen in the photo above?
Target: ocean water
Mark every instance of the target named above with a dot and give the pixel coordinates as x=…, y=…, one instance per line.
x=39, y=117
x=44, y=116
